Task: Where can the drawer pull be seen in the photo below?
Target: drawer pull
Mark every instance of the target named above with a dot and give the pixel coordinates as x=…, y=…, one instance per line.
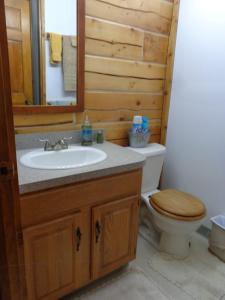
x=98, y=230
x=78, y=238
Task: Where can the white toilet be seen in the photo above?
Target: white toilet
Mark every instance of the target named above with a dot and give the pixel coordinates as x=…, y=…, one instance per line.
x=174, y=214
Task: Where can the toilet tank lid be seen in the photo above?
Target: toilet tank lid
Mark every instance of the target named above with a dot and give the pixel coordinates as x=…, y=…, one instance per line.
x=151, y=150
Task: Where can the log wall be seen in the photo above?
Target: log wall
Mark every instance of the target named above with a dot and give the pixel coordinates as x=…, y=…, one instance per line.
x=127, y=44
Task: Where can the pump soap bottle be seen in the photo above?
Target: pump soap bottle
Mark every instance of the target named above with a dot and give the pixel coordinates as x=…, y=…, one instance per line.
x=86, y=133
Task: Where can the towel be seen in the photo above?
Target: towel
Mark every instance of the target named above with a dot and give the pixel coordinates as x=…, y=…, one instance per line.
x=74, y=41
x=70, y=63
x=55, y=48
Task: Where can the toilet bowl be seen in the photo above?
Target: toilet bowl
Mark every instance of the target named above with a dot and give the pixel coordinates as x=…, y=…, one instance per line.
x=174, y=215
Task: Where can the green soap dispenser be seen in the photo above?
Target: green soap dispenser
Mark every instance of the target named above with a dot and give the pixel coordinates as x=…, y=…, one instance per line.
x=86, y=133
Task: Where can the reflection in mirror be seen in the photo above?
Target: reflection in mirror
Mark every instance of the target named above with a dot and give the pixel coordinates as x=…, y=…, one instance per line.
x=42, y=43
x=60, y=51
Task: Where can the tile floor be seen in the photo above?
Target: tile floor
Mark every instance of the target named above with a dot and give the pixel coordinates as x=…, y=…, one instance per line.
x=201, y=276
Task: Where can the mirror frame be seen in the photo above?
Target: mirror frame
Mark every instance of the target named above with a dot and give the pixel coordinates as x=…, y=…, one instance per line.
x=79, y=107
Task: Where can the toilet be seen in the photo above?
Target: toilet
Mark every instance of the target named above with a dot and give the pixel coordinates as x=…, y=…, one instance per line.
x=174, y=214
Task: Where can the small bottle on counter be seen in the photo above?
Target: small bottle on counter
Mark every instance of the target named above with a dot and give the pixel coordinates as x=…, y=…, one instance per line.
x=145, y=124
x=100, y=137
x=137, y=124
x=86, y=133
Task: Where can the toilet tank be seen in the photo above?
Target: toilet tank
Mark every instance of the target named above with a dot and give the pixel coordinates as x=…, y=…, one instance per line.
x=154, y=154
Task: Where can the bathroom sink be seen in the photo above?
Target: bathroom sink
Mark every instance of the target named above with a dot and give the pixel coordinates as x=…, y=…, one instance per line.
x=73, y=157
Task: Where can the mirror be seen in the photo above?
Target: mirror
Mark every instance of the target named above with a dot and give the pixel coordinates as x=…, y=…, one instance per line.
x=46, y=54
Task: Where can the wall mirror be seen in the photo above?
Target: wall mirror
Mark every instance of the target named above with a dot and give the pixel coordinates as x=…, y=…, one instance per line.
x=46, y=54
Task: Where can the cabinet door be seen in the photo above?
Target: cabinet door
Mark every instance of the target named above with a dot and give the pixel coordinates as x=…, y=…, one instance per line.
x=114, y=235
x=52, y=252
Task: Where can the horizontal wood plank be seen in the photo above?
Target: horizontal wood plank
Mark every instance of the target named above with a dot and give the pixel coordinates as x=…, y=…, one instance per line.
x=141, y=19
x=102, y=48
x=45, y=119
x=124, y=68
x=159, y=7
x=117, y=115
x=155, y=48
x=114, y=33
x=112, y=83
x=115, y=101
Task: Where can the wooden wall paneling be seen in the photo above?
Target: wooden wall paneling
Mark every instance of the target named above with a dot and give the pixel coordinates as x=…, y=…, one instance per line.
x=118, y=115
x=45, y=128
x=112, y=49
x=155, y=48
x=118, y=100
x=148, y=20
x=45, y=119
x=112, y=40
x=161, y=8
x=169, y=70
x=112, y=83
x=126, y=66
x=112, y=32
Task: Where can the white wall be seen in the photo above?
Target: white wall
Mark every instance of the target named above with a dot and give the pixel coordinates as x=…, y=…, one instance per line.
x=60, y=17
x=195, y=159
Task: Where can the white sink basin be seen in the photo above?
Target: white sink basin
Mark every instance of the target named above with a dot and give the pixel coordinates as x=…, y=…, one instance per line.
x=74, y=157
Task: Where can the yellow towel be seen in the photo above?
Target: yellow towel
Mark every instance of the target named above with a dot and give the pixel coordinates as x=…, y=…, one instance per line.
x=56, y=48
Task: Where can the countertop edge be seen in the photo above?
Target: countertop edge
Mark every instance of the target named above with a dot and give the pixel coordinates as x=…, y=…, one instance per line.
x=66, y=180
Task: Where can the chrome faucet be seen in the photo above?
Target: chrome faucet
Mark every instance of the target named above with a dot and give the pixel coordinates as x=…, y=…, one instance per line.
x=61, y=144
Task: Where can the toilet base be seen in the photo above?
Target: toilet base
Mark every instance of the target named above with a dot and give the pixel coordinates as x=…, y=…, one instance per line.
x=175, y=245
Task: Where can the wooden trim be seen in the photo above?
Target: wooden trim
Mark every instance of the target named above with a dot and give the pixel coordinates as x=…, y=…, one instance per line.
x=32, y=109
x=80, y=70
x=80, y=54
x=11, y=258
x=169, y=70
x=42, y=51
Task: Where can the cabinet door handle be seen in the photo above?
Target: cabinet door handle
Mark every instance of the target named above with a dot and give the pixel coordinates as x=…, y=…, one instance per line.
x=78, y=238
x=98, y=230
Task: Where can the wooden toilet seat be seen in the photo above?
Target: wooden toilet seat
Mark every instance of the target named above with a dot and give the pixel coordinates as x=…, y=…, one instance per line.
x=178, y=205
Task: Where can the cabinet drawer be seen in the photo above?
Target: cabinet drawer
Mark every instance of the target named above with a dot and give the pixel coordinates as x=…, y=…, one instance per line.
x=46, y=205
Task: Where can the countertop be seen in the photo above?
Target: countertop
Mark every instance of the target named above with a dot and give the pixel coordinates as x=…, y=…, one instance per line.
x=119, y=159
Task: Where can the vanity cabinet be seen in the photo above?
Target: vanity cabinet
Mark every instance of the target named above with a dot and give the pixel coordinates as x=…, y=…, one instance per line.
x=78, y=233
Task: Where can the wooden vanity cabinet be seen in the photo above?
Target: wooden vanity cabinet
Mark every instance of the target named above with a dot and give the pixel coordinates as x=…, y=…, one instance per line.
x=94, y=234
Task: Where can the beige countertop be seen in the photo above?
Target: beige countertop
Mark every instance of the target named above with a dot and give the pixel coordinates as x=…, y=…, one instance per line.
x=119, y=159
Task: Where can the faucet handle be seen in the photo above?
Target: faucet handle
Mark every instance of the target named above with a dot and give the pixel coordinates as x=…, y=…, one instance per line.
x=67, y=138
x=43, y=140
x=47, y=145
